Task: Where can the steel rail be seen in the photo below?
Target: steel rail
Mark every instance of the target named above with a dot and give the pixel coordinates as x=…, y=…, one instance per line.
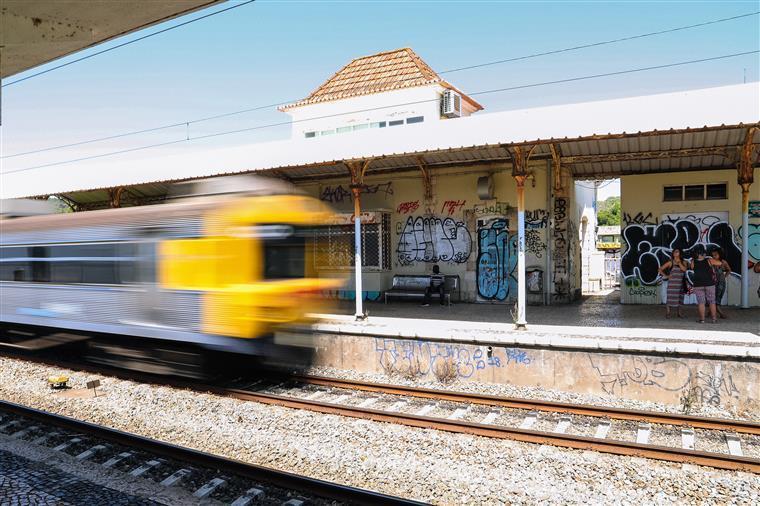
x=741, y=426
x=281, y=479
x=672, y=454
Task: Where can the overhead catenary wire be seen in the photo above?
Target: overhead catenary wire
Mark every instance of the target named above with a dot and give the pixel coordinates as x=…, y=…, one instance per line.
x=469, y=67
x=127, y=43
x=484, y=92
x=604, y=43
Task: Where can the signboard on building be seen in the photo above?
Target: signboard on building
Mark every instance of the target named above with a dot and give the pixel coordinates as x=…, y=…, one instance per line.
x=754, y=208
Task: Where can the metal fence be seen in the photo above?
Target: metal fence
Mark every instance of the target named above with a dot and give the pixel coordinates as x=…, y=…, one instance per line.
x=611, y=271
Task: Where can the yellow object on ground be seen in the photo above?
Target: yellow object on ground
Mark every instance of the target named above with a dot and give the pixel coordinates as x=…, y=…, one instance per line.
x=58, y=381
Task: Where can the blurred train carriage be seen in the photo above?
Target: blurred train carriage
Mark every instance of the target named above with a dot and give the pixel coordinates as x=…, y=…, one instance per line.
x=191, y=281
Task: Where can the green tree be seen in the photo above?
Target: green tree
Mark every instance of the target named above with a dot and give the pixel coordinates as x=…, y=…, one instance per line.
x=608, y=212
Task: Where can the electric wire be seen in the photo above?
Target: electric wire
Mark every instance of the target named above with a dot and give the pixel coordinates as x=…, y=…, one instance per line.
x=603, y=43
x=262, y=107
x=87, y=57
x=281, y=123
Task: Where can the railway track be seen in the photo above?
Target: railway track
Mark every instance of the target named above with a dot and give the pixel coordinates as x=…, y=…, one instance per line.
x=611, y=430
x=204, y=475
x=732, y=444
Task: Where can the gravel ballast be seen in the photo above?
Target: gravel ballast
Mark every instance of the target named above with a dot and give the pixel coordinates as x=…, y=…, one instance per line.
x=427, y=465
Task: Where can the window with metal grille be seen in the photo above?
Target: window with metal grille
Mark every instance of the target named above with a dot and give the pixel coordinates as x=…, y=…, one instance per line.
x=335, y=245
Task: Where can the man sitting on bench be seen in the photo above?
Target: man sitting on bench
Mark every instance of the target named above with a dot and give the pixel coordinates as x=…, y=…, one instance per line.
x=437, y=283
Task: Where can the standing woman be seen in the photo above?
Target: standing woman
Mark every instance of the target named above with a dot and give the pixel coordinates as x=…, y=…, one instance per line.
x=704, y=282
x=722, y=271
x=674, y=271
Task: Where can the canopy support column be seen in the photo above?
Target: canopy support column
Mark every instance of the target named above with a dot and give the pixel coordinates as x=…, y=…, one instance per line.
x=356, y=170
x=114, y=197
x=520, y=157
x=745, y=178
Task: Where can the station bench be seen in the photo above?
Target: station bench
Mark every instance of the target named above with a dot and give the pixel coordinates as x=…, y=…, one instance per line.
x=413, y=287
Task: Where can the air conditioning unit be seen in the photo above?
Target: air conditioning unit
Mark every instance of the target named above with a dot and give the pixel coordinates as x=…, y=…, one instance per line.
x=451, y=104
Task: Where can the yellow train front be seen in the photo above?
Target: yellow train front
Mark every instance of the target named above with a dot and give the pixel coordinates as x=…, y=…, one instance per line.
x=214, y=278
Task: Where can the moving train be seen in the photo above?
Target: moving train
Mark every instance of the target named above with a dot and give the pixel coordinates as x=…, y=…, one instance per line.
x=213, y=273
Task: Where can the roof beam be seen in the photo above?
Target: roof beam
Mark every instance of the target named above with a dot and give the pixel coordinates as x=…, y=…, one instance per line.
x=647, y=155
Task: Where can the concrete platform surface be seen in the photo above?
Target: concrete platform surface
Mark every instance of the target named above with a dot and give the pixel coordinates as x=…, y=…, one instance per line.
x=595, y=323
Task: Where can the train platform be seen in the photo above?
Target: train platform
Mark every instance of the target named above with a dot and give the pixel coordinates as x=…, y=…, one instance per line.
x=595, y=346
x=596, y=322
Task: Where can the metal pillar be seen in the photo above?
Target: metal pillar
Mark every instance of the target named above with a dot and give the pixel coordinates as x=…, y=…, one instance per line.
x=520, y=322
x=357, y=169
x=520, y=157
x=358, y=252
x=745, y=178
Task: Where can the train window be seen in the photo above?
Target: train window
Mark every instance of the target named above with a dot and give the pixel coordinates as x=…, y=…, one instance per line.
x=284, y=257
x=14, y=264
x=22, y=263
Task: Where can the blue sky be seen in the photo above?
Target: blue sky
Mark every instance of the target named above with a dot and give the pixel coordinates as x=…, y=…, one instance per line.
x=269, y=52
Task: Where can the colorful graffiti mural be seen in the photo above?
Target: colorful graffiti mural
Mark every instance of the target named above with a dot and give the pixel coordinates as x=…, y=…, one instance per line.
x=497, y=261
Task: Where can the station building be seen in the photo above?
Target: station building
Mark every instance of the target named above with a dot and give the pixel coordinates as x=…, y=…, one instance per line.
x=435, y=180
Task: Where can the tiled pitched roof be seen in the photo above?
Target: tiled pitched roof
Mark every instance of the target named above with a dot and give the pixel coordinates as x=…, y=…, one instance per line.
x=391, y=70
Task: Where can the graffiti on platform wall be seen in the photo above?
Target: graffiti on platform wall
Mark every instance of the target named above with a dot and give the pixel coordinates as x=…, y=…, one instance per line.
x=340, y=193
x=431, y=239
x=561, y=243
x=533, y=243
x=537, y=218
x=650, y=246
x=408, y=207
x=497, y=261
x=639, y=219
x=495, y=208
x=334, y=194
x=450, y=207
x=635, y=289
x=753, y=245
x=422, y=358
x=706, y=384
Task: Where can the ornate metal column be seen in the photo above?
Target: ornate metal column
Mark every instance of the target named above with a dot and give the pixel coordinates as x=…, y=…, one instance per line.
x=357, y=169
x=520, y=157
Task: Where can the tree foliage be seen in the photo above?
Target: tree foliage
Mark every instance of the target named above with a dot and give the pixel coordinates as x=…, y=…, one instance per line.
x=608, y=212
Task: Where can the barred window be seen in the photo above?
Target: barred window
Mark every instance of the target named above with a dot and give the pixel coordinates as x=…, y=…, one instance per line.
x=335, y=245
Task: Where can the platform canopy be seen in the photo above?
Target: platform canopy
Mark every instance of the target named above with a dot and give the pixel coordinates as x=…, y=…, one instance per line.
x=33, y=32
x=689, y=130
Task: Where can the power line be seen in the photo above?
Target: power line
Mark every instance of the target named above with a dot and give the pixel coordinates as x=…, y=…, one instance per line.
x=603, y=43
x=246, y=2
x=258, y=108
x=281, y=123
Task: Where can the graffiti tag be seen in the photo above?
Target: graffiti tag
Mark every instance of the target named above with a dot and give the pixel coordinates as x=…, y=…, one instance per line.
x=433, y=240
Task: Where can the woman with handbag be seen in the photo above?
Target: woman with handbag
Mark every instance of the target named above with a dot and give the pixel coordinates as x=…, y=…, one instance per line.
x=674, y=271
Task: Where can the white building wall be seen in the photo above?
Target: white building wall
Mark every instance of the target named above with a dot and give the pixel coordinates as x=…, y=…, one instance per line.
x=378, y=107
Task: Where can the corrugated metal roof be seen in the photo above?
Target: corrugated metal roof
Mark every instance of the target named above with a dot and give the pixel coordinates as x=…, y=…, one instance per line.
x=660, y=123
